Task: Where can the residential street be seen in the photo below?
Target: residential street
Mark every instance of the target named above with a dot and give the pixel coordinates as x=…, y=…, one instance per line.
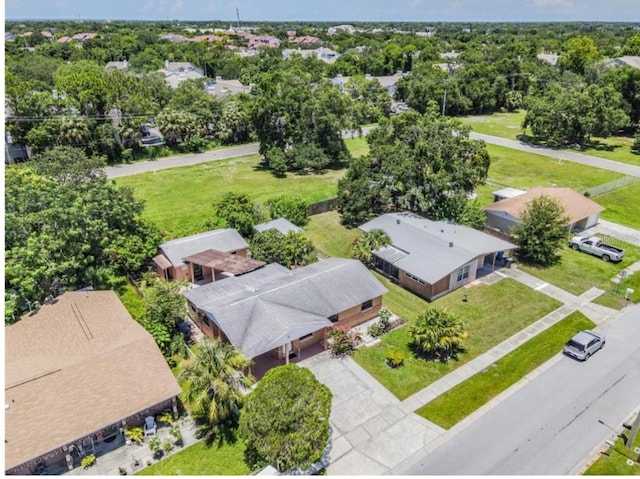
x=252, y=149
x=567, y=155
x=550, y=425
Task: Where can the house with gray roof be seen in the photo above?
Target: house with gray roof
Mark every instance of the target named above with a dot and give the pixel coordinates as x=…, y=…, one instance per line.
x=275, y=311
x=283, y=225
x=433, y=258
x=205, y=257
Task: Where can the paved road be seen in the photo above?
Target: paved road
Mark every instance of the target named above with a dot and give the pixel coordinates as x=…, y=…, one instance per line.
x=596, y=162
x=551, y=424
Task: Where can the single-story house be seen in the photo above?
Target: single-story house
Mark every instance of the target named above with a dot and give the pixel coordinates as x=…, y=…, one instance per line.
x=205, y=257
x=223, y=88
x=283, y=225
x=624, y=61
x=433, y=258
x=278, y=311
x=583, y=213
x=78, y=370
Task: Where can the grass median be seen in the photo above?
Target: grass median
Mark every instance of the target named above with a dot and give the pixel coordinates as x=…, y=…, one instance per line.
x=457, y=403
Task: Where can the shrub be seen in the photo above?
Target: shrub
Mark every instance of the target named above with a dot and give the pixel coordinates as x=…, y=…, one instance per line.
x=88, y=461
x=154, y=445
x=385, y=313
x=395, y=357
x=135, y=434
x=166, y=418
x=176, y=434
x=167, y=445
x=343, y=340
x=122, y=471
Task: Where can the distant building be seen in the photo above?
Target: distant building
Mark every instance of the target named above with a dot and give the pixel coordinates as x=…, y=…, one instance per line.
x=427, y=32
x=306, y=40
x=325, y=54
x=123, y=65
x=177, y=72
x=350, y=29
x=223, y=88
x=550, y=58
x=625, y=61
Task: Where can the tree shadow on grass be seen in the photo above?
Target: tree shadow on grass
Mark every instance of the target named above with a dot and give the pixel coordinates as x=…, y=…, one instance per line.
x=436, y=357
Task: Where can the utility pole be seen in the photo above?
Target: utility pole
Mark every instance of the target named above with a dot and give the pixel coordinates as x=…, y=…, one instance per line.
x=634, y=431
x=238, y=16
x=444, y=100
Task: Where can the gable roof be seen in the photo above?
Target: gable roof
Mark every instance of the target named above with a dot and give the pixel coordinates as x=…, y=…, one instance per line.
x=227, y=262
x=281, y=224
x=429, y=249
x=262, y=310
x=69, y=368
x=576, y=206
x=226, y=240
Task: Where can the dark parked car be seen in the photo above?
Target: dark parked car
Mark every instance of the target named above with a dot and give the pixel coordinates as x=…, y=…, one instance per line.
x=584, y=344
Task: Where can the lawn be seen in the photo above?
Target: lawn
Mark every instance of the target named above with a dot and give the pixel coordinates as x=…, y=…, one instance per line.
x=131, y=300
x=622, y=205
x=580, y=271
x=329, y=236
x=508, y=125
x=491, y=315
x=523, y=170
x=457, y=403
x=613, y=463
x=200, y=460
x=179, y=200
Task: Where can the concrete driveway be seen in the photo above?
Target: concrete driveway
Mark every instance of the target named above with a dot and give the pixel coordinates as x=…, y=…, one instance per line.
x=371, y=431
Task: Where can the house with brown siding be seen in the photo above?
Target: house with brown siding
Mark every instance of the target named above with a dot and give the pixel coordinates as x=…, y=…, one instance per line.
x=205, y=257
x=77, y=372
x=433, y=258
x=511, y=203
x=277, y=311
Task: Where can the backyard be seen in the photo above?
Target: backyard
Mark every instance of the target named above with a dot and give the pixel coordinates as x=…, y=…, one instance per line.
x=461, y=400
x=329, y=236
x=491, y=314
x=622, y=205
x=580, y=271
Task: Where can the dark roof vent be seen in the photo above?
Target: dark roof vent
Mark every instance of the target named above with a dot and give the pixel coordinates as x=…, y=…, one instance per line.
x=398, y=221
x=450, y=244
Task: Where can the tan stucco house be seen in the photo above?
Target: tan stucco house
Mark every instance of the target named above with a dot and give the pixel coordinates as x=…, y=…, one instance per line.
x=506, y=212
x=78, y=371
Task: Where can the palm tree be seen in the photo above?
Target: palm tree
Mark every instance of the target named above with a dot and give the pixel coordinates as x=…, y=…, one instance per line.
x=437, y=332
x=368, y=242
x=216, y=383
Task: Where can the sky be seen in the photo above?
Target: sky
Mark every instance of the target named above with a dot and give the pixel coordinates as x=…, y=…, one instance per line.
x=329, y=10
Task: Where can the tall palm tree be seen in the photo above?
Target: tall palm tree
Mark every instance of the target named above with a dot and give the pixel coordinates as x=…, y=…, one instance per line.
x=216, y=383
x=368, y=242
x=437, y=332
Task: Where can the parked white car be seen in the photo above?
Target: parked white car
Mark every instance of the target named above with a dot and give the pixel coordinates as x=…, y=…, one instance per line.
x=584, y=344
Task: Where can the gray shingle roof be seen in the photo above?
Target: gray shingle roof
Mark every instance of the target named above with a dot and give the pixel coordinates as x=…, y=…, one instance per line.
x=262, y=310
x=226, y=240
x=281, y=224
x=434, y=249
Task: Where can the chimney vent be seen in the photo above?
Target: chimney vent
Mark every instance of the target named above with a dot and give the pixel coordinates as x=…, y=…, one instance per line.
x=398, y=221
x=450, y=244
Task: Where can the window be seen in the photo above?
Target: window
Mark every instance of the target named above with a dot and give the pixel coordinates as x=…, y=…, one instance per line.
x=205, y=320
x=333, y=318
x=366, y=305
x=306, y=336
x=414, y=278
x=197, y=272
x=463, y=273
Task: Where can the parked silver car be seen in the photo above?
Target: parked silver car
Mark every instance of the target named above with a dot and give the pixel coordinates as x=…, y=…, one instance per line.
x=584, y=344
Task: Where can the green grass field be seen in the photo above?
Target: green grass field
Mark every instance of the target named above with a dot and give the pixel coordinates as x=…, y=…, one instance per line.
x=491, y=315
x=179, y=200
x=329, y=236
x=622, y=205
x=458, y=402
x=580, y=271
x=201, y=460
x=509, y=125
x=523, y=170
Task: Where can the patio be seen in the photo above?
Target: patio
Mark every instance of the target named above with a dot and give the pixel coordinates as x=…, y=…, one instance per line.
x=132, y=457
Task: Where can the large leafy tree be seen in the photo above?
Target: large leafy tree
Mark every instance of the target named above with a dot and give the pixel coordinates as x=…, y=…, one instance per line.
x=164, y=309
x=290, y=250
x=299, y=123
x=543, y=232
x=416, y=163
x=285, y=421
x=235, y=210
x=216, y=384
x=292, y=207
x=580, y=51
x=176, y=126
x=573, y=115
x=65, y=230
x=438, y=333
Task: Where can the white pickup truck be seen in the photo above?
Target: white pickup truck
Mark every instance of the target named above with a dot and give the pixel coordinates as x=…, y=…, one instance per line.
x=595, y=246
